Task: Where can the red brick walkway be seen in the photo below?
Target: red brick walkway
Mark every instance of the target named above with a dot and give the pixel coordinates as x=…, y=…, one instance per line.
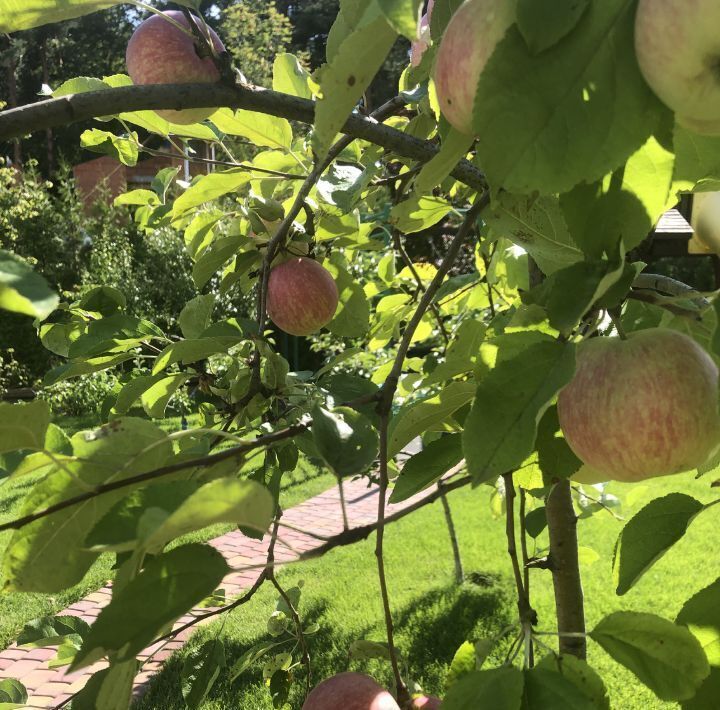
x=49, y=687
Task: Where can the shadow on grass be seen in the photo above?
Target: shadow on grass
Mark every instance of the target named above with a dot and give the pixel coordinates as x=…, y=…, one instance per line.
x=428, y=632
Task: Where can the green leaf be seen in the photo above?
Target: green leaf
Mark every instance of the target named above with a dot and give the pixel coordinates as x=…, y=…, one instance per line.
x=568, y=293
x=261, y=129
x=418, y=213
x=200, y=670
x=464, y=661
x=217, y=254
x=22, y=290
x=499, y=689
x=443, y=10
x=123, y=149
x=154, y=515
x=168, y=586
x=625, y=204
x=352, y=316
x=501, y=427
x=544, y=24
x=225, y=500
x=110, y=688
x=537, y=225
x=578, y=672
x=545, y=689
x=650, y=533
x=345, y=439
x=137, y=197
x=131, y=392
x=189, y=351
x=12, y=691
x=251, y=656
x=50, y=631
x=84, y=367
x=701, y=614
x=697, y=159
x=348, y=74
x=156, y=397
x=664, y=656
x=209, y=187
x=455, y=146
x=195, y=316
x=536, y=521
x=48, y=555
x=461, y=352
x=415, y=418
x=23, y=426
x=426, y=467
x=24, y=14
x=289, y=76
x=570, y=114
x=403, y=15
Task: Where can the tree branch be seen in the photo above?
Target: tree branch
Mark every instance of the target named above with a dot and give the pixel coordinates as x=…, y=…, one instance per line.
x=203, y=461
x=18, y=122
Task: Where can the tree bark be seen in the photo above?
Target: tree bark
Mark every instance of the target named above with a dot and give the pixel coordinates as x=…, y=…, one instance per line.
x=49, y=140
x=11, y=80
x=78, y=107
x=564, y=563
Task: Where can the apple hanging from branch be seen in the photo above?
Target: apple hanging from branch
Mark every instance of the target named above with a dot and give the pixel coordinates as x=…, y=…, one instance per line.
x=676, y=43
x=642, y=407
x=159, y=52
x=302, y=296
x=349, y=691
x=469, y=40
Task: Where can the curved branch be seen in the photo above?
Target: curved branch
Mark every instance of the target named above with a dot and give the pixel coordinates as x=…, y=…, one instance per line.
x=18, y=122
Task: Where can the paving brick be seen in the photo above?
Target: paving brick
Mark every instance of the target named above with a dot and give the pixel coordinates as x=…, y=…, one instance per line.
x=33, y=680
x=54, y=688
x=19, y=669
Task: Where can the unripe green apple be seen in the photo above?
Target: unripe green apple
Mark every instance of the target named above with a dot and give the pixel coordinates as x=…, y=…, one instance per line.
x=349, y=691
x=642, y=407
x=160, y=53
x=468, y=42
x=676, y=43
x=302, y=296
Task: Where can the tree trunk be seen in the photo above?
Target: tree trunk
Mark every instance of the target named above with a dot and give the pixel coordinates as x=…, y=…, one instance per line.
x=11, y=79
x=569, y=603
x=49, y=140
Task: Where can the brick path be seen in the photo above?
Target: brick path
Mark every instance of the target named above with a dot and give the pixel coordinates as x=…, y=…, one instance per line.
x=48, y=687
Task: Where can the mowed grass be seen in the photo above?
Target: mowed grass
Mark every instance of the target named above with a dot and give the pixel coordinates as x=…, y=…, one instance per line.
x=16, y=609
x=433, y=616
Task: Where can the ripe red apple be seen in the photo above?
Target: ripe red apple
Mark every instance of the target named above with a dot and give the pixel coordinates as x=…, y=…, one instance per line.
x=426, y=702
x=349, y=691
x=302, y=296
x=160, y=53
x=468, y=42
x=678, y=53
x=642, y=407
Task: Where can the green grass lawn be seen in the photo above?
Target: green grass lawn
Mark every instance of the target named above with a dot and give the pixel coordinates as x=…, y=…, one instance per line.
x=433, y=616
x=17, y=609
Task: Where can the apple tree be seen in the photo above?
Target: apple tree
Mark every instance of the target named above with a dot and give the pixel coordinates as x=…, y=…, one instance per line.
x=534, y=353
